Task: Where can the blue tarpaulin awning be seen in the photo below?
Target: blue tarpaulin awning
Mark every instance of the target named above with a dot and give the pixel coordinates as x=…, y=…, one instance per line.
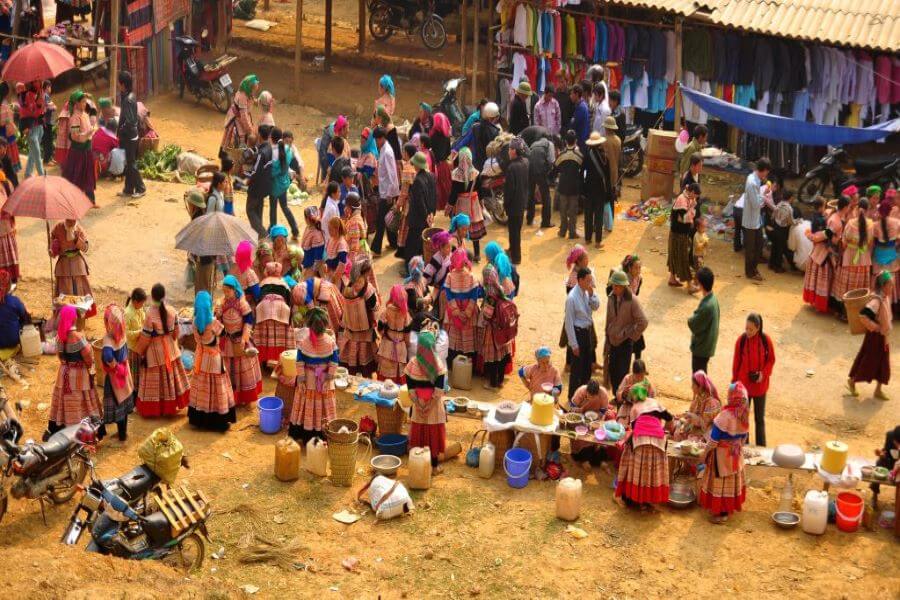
x=785, y=129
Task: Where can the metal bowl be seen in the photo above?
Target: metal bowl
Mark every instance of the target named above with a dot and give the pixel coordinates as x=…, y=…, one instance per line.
x=385, y=464
x=785, y=519
x=681, y=495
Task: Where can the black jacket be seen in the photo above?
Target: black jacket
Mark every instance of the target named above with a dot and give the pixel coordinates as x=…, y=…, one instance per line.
x=483, y=133
x=540, y=159
x=518, y=115
x=422, y=200
x=569, y=167
x=515, y=188
x=596, y=180
x=128, y=117
x=261, y=175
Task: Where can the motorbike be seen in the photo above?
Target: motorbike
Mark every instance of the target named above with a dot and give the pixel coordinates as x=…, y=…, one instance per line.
x=125, y=523
x=632, y=150
x=883, y=171
x=450, y=105
x=50, y=471
x=387, y=17
x=204, y=80
x=491, y=195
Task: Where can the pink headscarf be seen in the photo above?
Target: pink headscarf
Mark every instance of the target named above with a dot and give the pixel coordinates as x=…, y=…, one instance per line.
x=66, y=321
x=441, y=124
x=703, y=380
x=114, y=319
x=439, y=239
x=243, y=256
x=850, y=190
x=734, y=419
x=459, y=259
x=398, y=297
x=340, y=123
x=575, y=255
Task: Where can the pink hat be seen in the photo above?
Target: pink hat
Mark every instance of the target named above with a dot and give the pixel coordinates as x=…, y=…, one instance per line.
x=850, y=190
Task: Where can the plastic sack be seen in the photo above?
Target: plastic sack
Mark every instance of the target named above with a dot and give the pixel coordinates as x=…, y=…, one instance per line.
x=187, y=360
x=608, y=216
x=799, y=244
x=387, y=497
x=116, y=161
x=441, y=345
x=162, y=453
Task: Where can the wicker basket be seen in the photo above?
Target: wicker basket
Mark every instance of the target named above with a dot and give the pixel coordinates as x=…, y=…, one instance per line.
x=148, y=143
x=342, y=458
x=502, y=441
x=390, y=420
x=334, y=426
x=527, y=442
x=427, y=248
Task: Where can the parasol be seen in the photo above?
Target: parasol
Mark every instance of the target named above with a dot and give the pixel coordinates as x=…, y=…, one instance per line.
x=217, y=234
x=50, y=198
x=37, y=61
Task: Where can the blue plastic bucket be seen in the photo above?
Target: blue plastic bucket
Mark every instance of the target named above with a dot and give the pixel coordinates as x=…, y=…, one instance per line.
x=517, y=464
x=270, y=409
x=392, y=443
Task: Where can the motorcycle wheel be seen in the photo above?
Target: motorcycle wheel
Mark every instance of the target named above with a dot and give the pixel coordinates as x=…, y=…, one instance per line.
x=810, y=189
x=181, y=86
x=62, y=493
x=189, y=554
x=494, y=205
x=219, y=97
x=636, y=165
x=380, y=22
x=434, y=36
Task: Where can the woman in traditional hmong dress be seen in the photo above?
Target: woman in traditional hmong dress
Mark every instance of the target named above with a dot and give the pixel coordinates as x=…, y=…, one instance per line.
x=74, y=395
x=540, y=374
x=246, y=276
x=884, y=253
x=440, y=150
x=80, y=168
x=631, y=266
x=416, y=286
x=426, y=376
x=387, y=97
x=313, y=243
x=643, y=477
x=464, y=199
x=68, y=243
x=241, y=363
x=407, y=176
x=855, y=270
x=358, y=339
x=118, y=387
x=393, y=350
x=355, y=226
x=819, y=278
x=460, y=301
x=281, y=252
x=164, y=388
x=459, y=230
x=680, y=238
x=873, y=361
x=624, y=400
x=239, y=120
x=313, y=292
x=494, y=355
x=212, y=398
x=8, y=129
x=135, y=315
x=722, y=487
x=9, y=248
x=317, y=360
x=697, y=422
x=273, y=333
x=336, y=252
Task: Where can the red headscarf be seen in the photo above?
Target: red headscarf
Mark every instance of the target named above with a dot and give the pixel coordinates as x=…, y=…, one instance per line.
x=441, y=125
x=575, y=255
x=66, y=321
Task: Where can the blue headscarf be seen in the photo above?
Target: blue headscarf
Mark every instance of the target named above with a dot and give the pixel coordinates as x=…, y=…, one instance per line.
x=203, y=315
x=388, y=84
x=370, y=147
x=542, y=352
x=503, y=266
x=232, y=282
x=460, y=220
x=492, y=251
x=278, y=230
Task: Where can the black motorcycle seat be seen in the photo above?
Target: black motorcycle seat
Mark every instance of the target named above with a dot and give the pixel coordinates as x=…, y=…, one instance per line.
x=157, y=528
x=869, y=164
x=59, y=443
x=137, y=482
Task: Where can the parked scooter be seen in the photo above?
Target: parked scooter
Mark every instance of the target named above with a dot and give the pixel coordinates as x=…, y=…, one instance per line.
x=633, y=150
x=124, y=522
x=450, y=105
x=491, y=195
x=387, y=17
x=883, y=171
x=48, y=471
x=204, y=80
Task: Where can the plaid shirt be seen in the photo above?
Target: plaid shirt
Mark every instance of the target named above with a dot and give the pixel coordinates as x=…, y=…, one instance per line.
x=547, y=114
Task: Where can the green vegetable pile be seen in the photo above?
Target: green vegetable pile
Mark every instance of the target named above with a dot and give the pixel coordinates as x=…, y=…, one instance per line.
x=159, y=166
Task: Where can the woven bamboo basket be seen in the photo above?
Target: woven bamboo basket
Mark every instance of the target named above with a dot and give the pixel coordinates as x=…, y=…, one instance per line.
x=390, y=420
x=334, y=426
x=342, y=458
x=502, y=441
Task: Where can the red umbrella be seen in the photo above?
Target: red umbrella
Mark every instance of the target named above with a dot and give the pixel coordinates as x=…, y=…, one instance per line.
x=36, y=62
x=47, y=197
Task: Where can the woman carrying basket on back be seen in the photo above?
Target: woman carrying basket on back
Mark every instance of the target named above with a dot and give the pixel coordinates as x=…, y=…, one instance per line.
x=239, y=120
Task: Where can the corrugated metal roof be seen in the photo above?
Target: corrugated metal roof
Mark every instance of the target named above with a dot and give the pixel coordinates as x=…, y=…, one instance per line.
x=871, y=24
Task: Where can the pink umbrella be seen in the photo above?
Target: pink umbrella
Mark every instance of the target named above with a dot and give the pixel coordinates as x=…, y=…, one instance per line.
x=37, y=61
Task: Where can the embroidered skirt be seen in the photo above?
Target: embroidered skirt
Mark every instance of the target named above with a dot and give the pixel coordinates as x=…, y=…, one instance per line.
x=817, y=284
x=722, y=494
x=433, y=437
x=74, y=396
x=113, y=410
x=679, y=259
x=245, y=376
x=312, y=408
x=9, y=255
x=272, y=338
x=873, y=361
x=850, y=278
x=643, y=475
x=163, y=391
x=211, y=401
x=356, y=353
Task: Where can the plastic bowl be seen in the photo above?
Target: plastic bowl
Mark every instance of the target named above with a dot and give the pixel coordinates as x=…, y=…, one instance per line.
x=600, y=434
x=581, y=430
x=394, y=444
x=341, y=383
x=386, y=464
x=591, y=416
x=880, y=473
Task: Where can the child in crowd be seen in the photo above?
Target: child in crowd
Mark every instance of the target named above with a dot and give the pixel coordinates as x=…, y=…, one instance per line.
x=312, y=243
x=228, y=185
x=336, y=251
x=701, y=245
x=330, y=207
x=819, y=218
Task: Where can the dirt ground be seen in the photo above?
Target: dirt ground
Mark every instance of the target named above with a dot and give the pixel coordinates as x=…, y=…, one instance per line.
x=468, y=537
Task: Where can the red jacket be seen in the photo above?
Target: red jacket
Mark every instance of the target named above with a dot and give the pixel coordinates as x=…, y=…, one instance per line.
x=749, y=356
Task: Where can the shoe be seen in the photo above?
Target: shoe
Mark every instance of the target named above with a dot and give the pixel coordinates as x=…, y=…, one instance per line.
x=139, y=194
x=376, y=254
x=598, y=245
x=561, y=233
x=547, y=225
x=573, y=237
x=756, y=277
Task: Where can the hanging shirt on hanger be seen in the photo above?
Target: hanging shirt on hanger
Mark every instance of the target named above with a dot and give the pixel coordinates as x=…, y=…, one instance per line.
x=520, y=26
x=600, y=42
x=518, y=72
x=642, y=92
x=883, y=75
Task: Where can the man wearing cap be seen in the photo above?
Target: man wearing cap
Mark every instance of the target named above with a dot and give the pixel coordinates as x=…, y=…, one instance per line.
x=625, y=324
x=515, y=196
x=422, y=205
x=612, y=147
x=518, y=109
x=597, y=188
x=388, y=189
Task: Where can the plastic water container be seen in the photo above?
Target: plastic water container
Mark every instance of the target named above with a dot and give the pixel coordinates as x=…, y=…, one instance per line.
x=486, y=461
x=849, y=514
x=568, y=499
x=317, y=457
x=419, y=469
x=30, y=339
x=270, y=409
x=815, y=512
x=517, y=464
x=461, y=373
x=287, y=459
x=288, y=360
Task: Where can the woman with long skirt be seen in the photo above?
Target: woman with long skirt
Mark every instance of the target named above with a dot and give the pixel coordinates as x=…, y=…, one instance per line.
x=358, y=339
x=697, y=422
x=316, y=292
x=135, y=314
x=873, y=361
x=79, y=167
x=440, y=149
x=118, y=387
x=393, y=350
x=494, y=355
x=74, y=395
x=273, y=333
x=164, y=388
x=317, y=361
x=246, y=276
x=212, y=399
x=461, y=294
x=425, y=377
x=237, y=319
x=722, y=487
x=855, y=270
x=643, y=477
x=463, y=197
x=68, y=243
x=820, y=268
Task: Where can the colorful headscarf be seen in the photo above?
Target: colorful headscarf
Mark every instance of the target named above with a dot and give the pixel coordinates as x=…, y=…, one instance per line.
x=426, y=107
x=490, y=281
x=873, y=190
x=264, y=249
x=629, y=261
x=504, y=267
x=441, y=125
x=459, y=259
x=705, y=383
x=542, y=352
x=278, y=230
x=243, y=256
x=203, y=315
x=369, y=146
x=882, y=278
x=317, y=321
x=416, y=269
x=273, y=269
x=426, y=358
x=382, y=114
x=232, y=282
x=464, y=171
x=340, y=124
x=76, y=97
x=387, y=84
x=460, y=220
x=311, y=213
x=575, y=255
x=439, y=239
x=104, y=102
x=5, y=284
x=398, y=297
x=266, y=101
x=66, y=322
x=734, y=419
x=359, y=268
x=889, y=195
x=492, y=250
x=247, y=84
x=850, y=190
x=114, y=320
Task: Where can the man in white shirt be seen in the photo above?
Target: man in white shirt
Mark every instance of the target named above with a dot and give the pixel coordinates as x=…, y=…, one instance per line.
x=332, y=208
x=599, y=108
x=388, y=189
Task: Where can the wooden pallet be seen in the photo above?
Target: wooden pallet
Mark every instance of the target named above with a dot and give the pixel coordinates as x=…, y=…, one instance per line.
x=182, y=507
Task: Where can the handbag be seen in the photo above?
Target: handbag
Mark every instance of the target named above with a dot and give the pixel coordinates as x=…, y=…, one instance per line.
x=388, y=498
x=473, y=454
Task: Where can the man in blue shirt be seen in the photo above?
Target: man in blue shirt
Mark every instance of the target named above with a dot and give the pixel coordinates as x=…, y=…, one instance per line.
x=581, y=303
x=581, y=117
x=752, y=218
